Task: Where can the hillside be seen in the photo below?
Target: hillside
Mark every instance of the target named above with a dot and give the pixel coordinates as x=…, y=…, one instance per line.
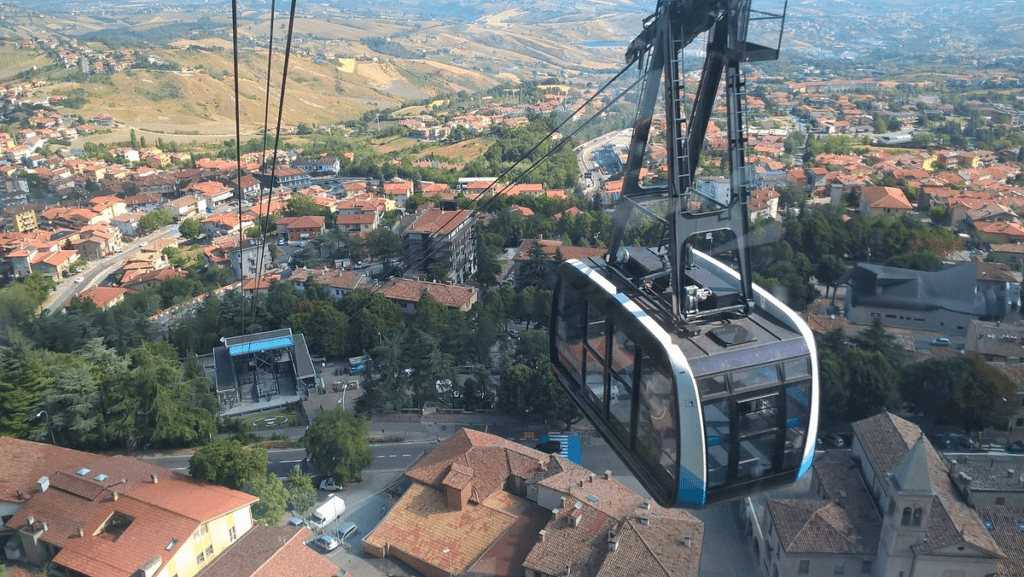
x=344, y=62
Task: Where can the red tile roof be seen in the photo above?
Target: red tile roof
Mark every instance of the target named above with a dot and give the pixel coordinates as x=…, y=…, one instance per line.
x=163, y=514
x=436, y=221
x=271, y=552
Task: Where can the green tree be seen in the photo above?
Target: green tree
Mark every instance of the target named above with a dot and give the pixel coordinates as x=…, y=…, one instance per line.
x=154, y=219
x=828, y=271
x=273, y=498
x=876, y=339
x=301, y=492
x=24, y=376
x=436, y=272
x=871, y=383
x=383, y=243
x=72, y=404
x=228, y=463
x=929, y=387
x=338, y=444
x=190, y=228
x=988, y=398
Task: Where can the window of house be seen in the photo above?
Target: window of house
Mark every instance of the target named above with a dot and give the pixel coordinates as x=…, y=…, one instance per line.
x=200, y=533
x=200, y=558
x=232, y=534
x=906, y=516
x=805, y=566
x=866, y=566
x=918, y=513
x=840, y=567
x=209, y=551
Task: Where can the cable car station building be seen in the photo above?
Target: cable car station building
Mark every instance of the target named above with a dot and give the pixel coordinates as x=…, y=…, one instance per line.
x=254, y=368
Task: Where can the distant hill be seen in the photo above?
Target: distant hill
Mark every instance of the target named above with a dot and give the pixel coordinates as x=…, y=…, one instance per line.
x=351, y=56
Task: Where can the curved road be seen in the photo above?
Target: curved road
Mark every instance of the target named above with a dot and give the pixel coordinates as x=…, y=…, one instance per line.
x=98, y=271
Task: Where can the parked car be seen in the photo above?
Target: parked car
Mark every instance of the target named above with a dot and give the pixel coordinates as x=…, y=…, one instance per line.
x=833, y=440
x=549, y=447
x=347, y=530
x=326, y=542
x=940, y=342
x=328, y=484
x=961, y=441
x=513, y=333
x=1015, y=447
x=79, y=279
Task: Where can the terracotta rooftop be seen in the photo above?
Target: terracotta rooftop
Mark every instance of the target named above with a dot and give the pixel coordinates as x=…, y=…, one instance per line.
x=422, y=525
x=436, y=221
x=271, y=552
x=103, y=296
x=886, y=440
x=450, y=295
x=550, y=247
x=652, y=541
x=85, y=490
x=845, y=521
x=1009, y=534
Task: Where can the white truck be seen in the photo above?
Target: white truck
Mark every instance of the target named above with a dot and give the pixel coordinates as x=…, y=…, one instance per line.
x=327, y=513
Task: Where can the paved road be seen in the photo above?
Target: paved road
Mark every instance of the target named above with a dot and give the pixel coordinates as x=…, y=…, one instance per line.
x=389, y=457
x=98, y=271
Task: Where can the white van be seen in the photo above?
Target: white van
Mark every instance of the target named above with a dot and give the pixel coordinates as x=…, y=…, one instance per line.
x=327, y=512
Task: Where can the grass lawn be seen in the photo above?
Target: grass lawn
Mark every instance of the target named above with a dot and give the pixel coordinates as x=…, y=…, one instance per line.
x=279, y=419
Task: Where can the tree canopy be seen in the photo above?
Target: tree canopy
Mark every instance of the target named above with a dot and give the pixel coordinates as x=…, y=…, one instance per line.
x=338, y=443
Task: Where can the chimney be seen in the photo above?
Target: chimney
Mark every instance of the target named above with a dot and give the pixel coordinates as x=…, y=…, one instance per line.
x=568, y=570
x=574, y=518
x=563, y=499
x=645, y=520
x=952, y=467
x=686, y=541
x=30, y=521
x=647, y=505
x=591, y=477
x=20, y=496
x=153, y=476
x=114, y=493
x=613, y=541
x=81, y=532
x=46, y=527
x=542, y=534
x=581, y=482
x=542, y=465
x=608, y=475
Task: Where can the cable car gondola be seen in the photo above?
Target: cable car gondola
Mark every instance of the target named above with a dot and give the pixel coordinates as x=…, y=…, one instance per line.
x=705, y=385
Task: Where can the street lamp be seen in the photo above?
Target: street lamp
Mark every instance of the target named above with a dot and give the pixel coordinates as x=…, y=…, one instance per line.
x=40, y=414
x=448, y=552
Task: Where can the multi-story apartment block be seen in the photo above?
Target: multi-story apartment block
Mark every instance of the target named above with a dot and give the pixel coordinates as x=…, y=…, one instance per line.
x=445, y=237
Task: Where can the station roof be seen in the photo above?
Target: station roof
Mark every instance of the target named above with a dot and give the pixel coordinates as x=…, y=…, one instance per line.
x=259, y=342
